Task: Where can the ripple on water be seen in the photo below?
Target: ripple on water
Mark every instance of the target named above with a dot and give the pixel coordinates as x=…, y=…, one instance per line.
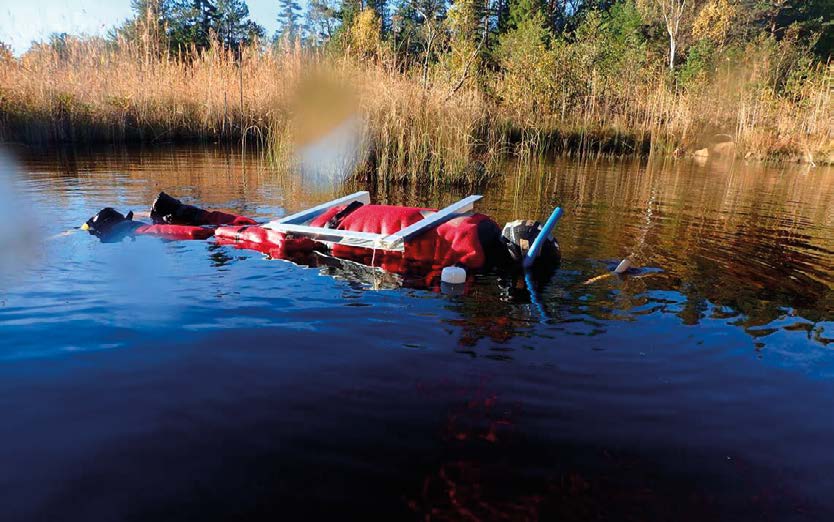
x=706, y=373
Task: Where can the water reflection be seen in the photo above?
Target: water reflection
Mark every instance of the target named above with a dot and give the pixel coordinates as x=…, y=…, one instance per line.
x=213, y=382
x=749, y=242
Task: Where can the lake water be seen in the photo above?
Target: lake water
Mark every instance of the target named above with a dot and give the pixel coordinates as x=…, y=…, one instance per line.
x=155, y=380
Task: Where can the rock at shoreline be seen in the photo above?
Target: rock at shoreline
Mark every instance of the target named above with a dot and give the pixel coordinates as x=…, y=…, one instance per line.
x=725, y=148
x=722, y=149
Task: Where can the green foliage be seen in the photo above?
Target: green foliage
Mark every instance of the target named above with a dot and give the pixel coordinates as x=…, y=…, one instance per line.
x=6, y=54
x=232, y=23
x=528, y=65
x=365, y=34
x=538, y=60
x=346, y=14
x=148, y=25
x=322, y=20
x=610, y=44
x=191, y=23
x=624, y=23
x=811, y=21
x=289, y=13
x=699, y=63
x=181, y=24
x=348, y=11
x=789, y=60
x=567, y=15
x=542, y=73
x=416, y=26
x=59, y=42
x=521, y=11
x=466, y=53
x=380, y=9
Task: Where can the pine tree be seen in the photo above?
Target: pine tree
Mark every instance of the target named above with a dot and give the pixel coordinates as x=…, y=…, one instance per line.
x=195, y=22
x=289, y=13
x=380, y=7
x=190, y=23
x=348, y=11
x=322, y=20
x=416, y=27
x=232, y=24
x=522, y=10
x=149, y=25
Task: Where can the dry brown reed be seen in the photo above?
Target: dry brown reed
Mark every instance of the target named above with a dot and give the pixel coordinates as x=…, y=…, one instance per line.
x=92, y=91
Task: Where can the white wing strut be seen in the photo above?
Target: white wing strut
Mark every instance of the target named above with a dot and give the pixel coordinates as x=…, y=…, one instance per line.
x=396, y=240
x=295, y=224
x=307, y=215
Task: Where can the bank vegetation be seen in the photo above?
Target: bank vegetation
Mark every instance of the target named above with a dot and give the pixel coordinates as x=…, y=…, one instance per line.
x=445, y=90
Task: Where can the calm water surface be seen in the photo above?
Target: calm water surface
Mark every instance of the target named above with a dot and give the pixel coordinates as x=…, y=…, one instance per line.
x=153, y=380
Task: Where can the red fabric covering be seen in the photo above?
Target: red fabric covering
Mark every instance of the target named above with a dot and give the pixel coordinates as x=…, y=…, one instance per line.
x=276, y=244
x=455, y=242
x=379, y=219
x=322, y=219
x=382, y=219
x=222, y=218
x=175, y=231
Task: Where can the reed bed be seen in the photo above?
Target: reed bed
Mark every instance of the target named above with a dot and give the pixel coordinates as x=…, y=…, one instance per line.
x=419, y=128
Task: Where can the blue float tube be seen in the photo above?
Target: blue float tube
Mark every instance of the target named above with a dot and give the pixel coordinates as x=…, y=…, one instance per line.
x=533, y=253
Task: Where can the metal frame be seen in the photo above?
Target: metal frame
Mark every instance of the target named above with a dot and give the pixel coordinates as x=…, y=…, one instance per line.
x=307, y=215
x=331, y=235
x=295, y=224
x=398, y=239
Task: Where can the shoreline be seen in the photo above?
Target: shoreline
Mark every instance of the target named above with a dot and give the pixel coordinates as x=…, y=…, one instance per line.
x=598, y=144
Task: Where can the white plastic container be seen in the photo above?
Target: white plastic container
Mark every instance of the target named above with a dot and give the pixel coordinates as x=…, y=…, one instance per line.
x=453, y=275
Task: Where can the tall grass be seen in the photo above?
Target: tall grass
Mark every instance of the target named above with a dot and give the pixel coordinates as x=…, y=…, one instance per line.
x=92, y=92
x=418, y=129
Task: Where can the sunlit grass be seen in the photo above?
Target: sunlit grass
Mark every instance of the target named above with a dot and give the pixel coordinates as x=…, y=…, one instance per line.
x=91, y=91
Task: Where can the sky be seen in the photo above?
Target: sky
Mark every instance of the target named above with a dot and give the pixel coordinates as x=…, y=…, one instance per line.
x=25, y=21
